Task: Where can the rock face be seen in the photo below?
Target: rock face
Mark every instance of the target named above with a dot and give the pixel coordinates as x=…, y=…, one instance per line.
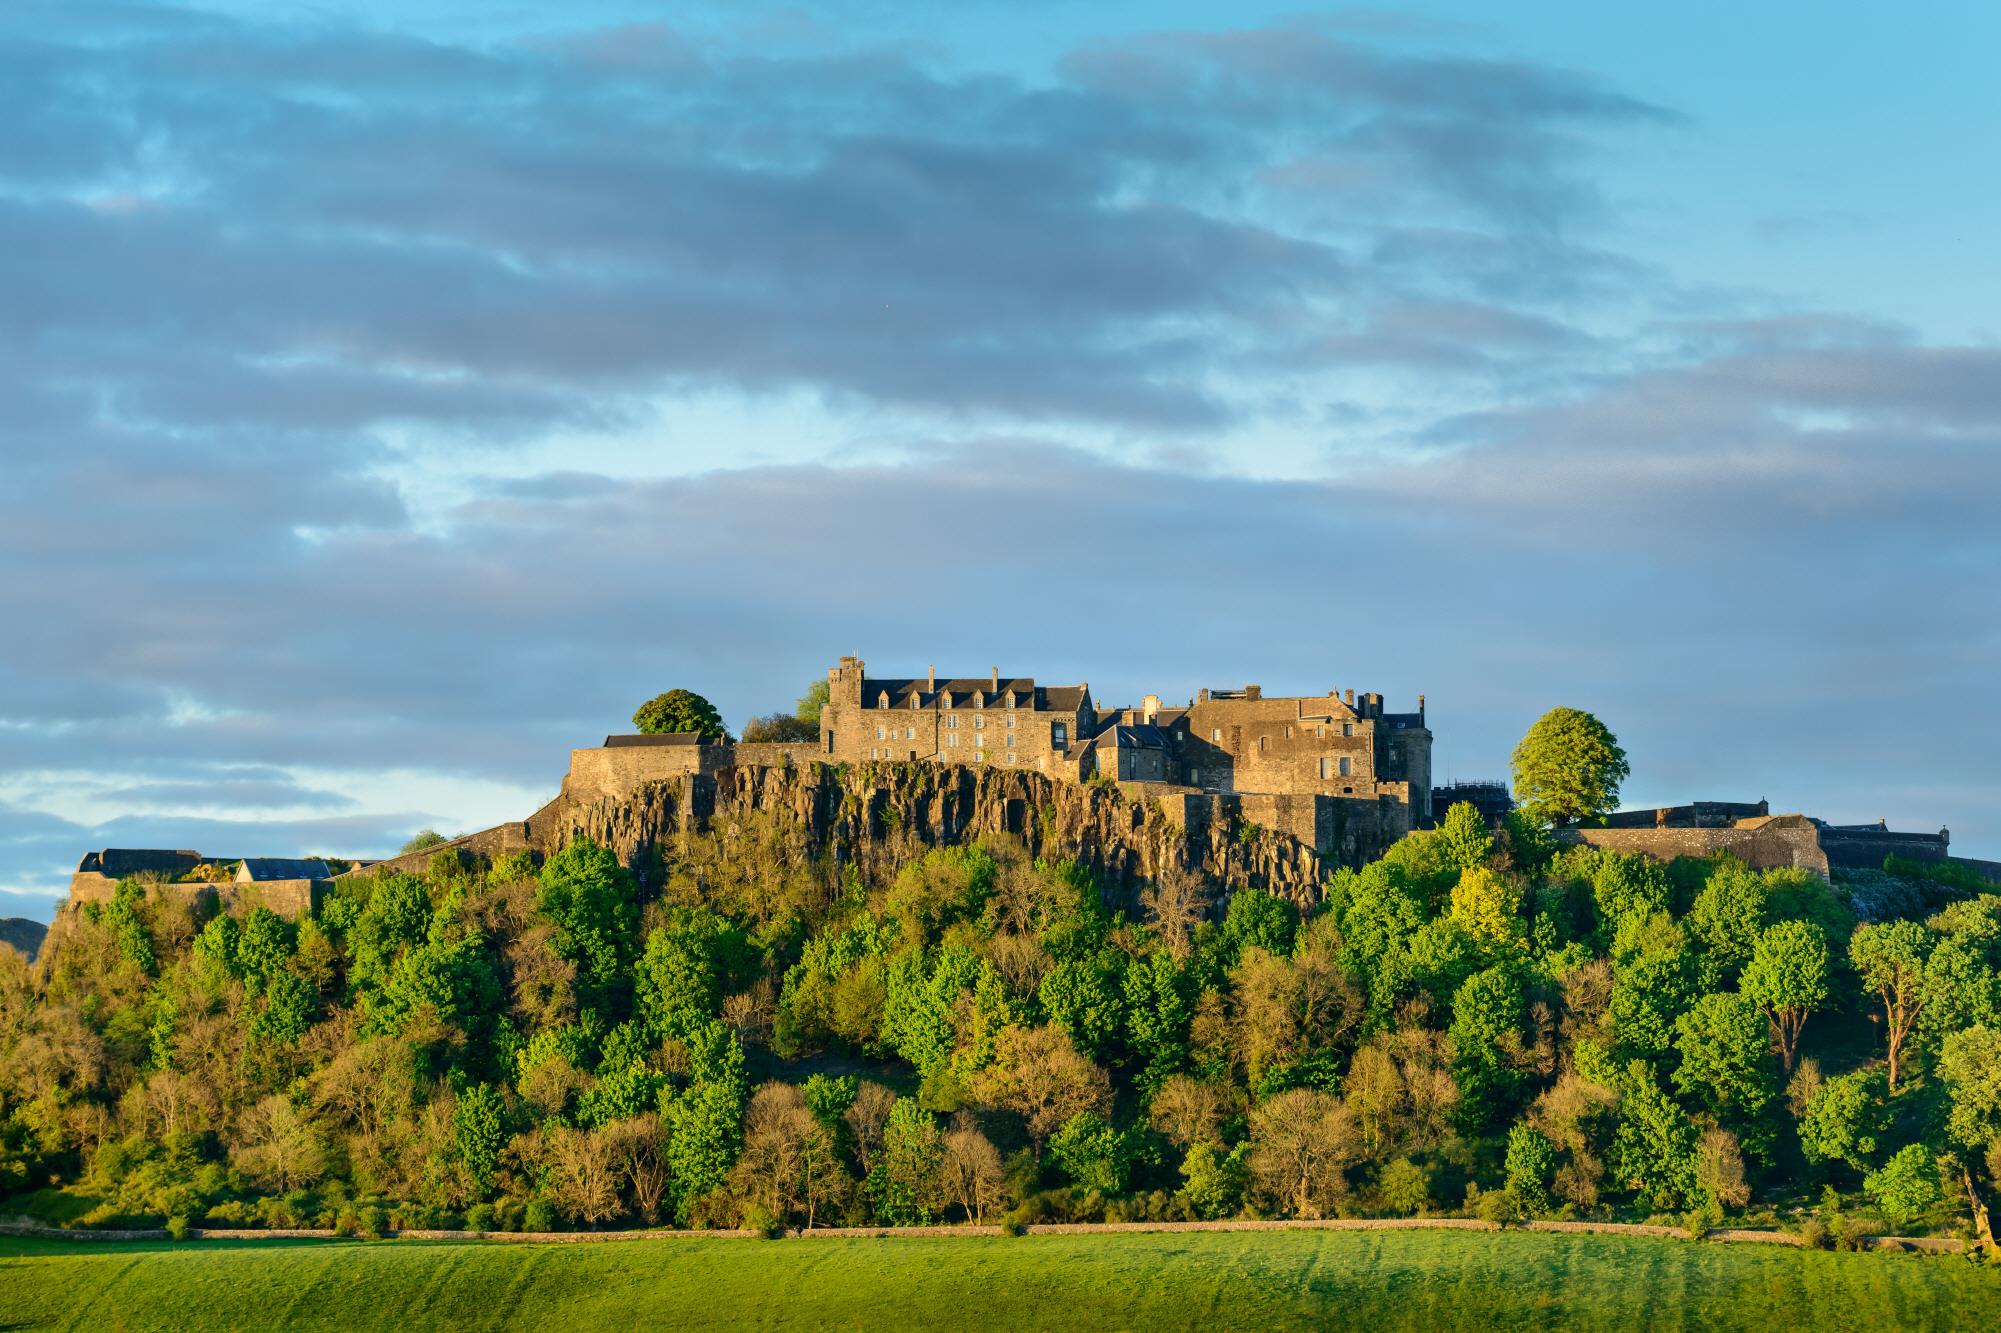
x=850, y=813
x=844, y=811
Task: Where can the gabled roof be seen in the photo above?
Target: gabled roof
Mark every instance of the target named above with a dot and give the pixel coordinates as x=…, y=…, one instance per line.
x=259, y=869
x=1132, y=736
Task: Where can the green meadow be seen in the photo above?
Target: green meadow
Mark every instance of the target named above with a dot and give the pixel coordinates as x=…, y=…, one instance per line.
x=1259, y=1280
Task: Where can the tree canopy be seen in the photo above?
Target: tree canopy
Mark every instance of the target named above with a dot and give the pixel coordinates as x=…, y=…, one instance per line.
x=1568, y=768
x=679, y=711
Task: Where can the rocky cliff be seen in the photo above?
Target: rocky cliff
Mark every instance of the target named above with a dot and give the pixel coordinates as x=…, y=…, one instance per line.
x=853, y=813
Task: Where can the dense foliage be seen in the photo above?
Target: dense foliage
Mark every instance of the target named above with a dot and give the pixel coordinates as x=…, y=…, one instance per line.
x=1568, y=768
x=679, y=711
x=1477, y=1021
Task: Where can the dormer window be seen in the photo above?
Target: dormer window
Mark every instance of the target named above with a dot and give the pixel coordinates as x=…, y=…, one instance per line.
x=980, y=700
x=916, y=699
x=882, y=700
x=945, y=699
x=1010, y=698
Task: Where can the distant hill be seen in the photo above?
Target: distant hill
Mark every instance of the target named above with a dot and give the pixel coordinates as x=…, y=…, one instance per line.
x=23, y=934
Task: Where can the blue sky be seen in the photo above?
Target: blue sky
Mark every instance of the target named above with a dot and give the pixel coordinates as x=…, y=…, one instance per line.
x=393, y=396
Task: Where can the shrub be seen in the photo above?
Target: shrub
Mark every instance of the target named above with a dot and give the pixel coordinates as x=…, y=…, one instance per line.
x=369, y=1222
x=1406, y=1188
x=540, y=1215
x=177, y=1227
x=481, y=1217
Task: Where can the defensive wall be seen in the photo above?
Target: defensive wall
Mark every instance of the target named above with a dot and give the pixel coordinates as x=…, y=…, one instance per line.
x=1768, y=843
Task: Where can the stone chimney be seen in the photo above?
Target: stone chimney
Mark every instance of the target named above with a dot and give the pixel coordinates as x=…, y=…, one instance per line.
x=1349, y=699
x=996, y=680
x=1149, y=709
x=931, y=679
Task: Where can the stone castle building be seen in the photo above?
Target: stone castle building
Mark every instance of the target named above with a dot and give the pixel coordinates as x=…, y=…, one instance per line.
x=1342, y=773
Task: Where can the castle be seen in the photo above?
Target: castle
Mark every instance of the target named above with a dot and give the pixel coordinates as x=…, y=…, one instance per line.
x=1324, y=747
x=1339, y=773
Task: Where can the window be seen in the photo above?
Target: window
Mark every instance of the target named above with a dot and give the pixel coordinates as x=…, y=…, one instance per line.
x=1194, y=777
x=979, y=724
x=1326, y=768
x=1347, y=728
x=1010, y=721
x=1264, y=744
x=1320, y=731
x=979, y=756
x=1344, y=768
x=910, y=733
x=1215, y=733
x=1059, y=734
x=952, y=723
x=1288, y=733
x=881, y=733
x=952, y=739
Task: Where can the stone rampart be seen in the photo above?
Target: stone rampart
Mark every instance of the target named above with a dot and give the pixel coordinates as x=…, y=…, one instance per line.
x=1768, y=848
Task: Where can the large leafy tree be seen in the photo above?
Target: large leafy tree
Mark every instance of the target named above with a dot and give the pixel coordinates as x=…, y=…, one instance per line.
x=1726, y=1065
x=1568, y=767
x=1890, y=960
x=1787, y=978
x=679, y=711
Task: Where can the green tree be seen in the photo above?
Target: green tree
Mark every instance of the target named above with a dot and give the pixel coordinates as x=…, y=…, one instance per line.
x=1465, y=838
x=1906, y=1187
x=1093, y=1154
x=1890, y=960
x=1727, y=919
x=1214, y=1179
x=594, y=904
x=810, y=703
x=479, y=1134
x=1531, y=1165
x=1969, y=1064
x=903, y=1182
x=1787, y=978
x=1487, y=1015
x=1654, y=1145
x=1726, y=1065
x=429, y=837
x=1568, y=767
x=1846, y=1119
x=679, y=711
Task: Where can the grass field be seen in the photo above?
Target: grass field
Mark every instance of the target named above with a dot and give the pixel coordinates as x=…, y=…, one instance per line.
x=1256, y=1280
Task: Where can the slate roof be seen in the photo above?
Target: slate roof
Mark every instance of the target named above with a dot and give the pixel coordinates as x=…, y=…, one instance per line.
x=260, y=869
x=1132, y=736
x=965, y=691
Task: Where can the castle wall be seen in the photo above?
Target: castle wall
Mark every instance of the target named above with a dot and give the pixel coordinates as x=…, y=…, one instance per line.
x=289, y=898
x=1771, y=847
x=1865, y=850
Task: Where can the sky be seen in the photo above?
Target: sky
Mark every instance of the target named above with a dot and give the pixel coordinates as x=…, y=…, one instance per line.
x=393, y=396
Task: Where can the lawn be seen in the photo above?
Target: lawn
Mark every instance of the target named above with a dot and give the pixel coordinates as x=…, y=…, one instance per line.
x=1248, y=1280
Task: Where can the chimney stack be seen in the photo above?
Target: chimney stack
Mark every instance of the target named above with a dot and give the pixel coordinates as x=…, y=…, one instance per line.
x=1350, y=700
x=932, y=679
x=996, y=680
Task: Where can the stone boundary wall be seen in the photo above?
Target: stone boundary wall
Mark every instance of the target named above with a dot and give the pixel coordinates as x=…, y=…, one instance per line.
x=290, y=898
x=1737, y=1235
x=1760, y=848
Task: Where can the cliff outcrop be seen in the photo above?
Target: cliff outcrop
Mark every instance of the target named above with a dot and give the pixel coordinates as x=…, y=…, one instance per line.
x=854, y=813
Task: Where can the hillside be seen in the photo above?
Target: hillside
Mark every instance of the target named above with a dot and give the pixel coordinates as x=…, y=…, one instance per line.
x=23, y=935
x=892, y=999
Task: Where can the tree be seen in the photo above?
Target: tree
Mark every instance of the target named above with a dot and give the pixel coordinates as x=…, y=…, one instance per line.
x=1531, y=1166
x=970, y=1171
x=479, y=1133
x=904, y=1183
x=1487, y=1016
x=1188, y=1111
x=1906, y=1188
x=1655, y=1144
x=1213, y=1180
x=1465, y=837
x=1787, y=978
x=679, y=711
x=1038, y=1074
x=1969, y=1064
x=1890, y=960
x=1846, y=1119
x=1719, y=1169
x=1301, y=1143
x=1568, y=767
x=1175, y=904
x=429, y=837
x=1726, y=1064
